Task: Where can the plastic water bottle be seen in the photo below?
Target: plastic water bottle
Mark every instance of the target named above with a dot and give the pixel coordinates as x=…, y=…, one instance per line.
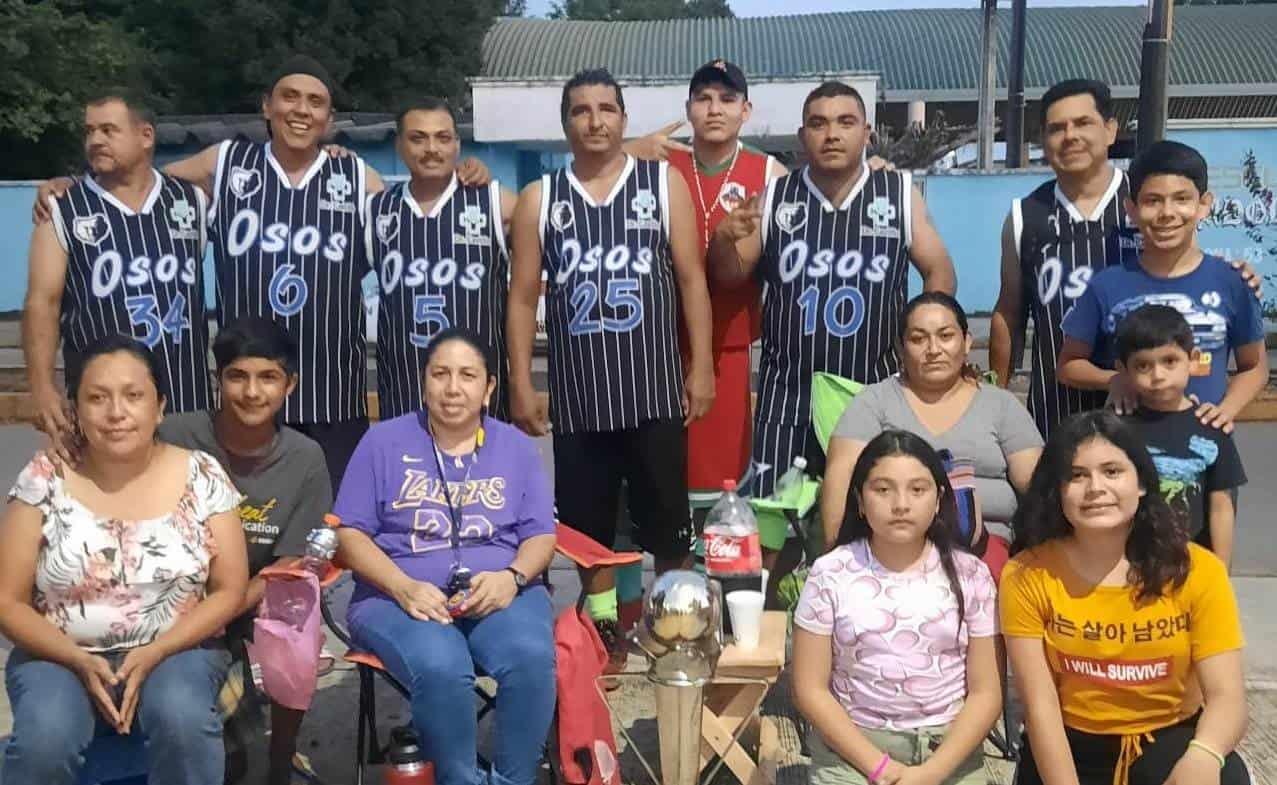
x=321, y=547
x=407, y=764
x=791, y=479
x=733, y=555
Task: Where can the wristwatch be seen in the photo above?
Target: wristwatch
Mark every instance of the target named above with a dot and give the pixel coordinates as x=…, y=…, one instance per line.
x=520, y=580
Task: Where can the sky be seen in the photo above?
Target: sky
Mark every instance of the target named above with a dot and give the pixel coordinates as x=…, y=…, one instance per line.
x=773, y=7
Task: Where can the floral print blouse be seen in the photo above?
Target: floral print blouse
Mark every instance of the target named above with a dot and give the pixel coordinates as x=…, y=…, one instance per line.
x=114, y=584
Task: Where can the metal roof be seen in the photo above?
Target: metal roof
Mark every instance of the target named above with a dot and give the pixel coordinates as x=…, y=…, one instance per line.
x=929, y=54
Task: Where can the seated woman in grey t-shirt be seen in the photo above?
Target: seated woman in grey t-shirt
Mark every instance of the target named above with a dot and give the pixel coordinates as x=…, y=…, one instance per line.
x=938, y=396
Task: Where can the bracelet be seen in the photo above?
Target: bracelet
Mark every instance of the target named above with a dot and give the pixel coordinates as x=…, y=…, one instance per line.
x=882, y=766
x=1206, y=749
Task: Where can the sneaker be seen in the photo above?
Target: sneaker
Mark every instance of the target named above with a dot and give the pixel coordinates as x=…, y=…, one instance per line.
x=618, y=650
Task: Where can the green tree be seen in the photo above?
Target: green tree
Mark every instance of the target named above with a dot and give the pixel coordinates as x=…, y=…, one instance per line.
x=218, y=57
x=626, y=10
x=53, y=60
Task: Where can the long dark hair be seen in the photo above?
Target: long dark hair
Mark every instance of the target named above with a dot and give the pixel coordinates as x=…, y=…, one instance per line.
x=1157, y=547
x=942, y=531
x=947, y=302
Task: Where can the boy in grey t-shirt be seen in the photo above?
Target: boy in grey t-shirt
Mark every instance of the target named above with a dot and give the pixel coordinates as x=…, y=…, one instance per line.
x=281, y=473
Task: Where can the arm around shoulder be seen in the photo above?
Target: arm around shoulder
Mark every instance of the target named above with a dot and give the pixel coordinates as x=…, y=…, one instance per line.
x=199, y=170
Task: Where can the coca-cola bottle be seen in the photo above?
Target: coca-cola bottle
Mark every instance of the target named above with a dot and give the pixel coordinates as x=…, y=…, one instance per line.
x=733, y=556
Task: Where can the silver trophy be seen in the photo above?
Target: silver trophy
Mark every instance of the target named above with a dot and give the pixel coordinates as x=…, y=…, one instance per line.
x=681, y=636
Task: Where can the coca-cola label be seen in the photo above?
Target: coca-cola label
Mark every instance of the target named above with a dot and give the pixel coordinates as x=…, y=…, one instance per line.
x=727, y=554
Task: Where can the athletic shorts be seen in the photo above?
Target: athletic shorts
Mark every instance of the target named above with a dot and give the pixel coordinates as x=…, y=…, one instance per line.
x=718, y=443
x=589, y=467
x=338, y=440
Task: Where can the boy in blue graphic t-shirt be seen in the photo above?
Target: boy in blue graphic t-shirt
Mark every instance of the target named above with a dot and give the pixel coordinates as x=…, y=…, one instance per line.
x=1168, y=199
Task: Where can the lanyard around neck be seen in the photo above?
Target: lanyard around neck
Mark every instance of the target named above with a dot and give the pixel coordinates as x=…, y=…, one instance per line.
x=454, y=513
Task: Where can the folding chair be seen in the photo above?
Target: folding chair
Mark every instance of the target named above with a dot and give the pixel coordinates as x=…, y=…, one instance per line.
x=573, y=545
x=370, y=668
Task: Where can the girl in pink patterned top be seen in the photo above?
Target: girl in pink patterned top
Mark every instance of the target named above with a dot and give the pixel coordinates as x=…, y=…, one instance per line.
x=115, y=575
x=894, y=659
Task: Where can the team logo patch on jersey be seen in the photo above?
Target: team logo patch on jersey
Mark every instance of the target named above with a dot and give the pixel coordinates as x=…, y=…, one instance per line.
x=387, y=227
x=644, y=206
x=561, y=215
x=791, y=216
x=730, y=196
x=91, y=229
x=881, y=213
x=338, y=189
x=245, y=182
x=183, y=216
x=472, y=222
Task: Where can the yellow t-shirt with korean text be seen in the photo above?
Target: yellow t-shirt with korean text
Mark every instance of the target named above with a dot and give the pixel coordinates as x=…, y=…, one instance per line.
x=1120, y=668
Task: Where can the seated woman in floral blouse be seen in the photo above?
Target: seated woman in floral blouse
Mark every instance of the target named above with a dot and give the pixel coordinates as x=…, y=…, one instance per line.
x=114, y=575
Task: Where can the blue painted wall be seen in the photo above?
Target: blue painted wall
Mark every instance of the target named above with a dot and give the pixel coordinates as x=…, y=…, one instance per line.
x=968, y=209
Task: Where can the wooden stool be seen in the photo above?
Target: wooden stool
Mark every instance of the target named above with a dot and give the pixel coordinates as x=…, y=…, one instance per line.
x=732, y=700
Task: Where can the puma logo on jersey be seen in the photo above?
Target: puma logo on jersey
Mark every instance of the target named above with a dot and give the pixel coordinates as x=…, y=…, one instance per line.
x=791, y=216
x=387, y=227
x=472, y=222
x=644, y=206
x=182, y=214
x=91, y=229
x=245, y=182
x=561, y=215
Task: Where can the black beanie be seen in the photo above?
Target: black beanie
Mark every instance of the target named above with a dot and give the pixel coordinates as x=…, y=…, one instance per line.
x=303, y=64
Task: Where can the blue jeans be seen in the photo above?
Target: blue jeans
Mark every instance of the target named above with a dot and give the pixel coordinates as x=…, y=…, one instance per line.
x=436, y=662
x=54, y=720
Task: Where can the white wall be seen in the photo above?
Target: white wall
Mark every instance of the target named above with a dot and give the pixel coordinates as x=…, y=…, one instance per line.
x=528, y=112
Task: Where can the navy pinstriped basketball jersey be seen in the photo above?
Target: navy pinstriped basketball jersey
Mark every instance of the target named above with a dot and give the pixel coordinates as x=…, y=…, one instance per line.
x=445, y=268
x=140, y=274
x=610, y=301
x=836, y=279
x=1059, y=250
x=293, y=255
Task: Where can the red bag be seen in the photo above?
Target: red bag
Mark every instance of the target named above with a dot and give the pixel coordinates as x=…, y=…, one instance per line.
x=587, y=747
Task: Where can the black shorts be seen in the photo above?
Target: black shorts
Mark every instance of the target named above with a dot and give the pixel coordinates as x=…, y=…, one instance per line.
x=1095, y=757
x=338, y=440
x=589, y=467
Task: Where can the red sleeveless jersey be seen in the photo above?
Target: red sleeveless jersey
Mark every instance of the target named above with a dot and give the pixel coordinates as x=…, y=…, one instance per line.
x=737, y=318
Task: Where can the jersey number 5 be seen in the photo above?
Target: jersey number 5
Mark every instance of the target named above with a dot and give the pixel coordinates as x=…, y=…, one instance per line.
x=427, y=309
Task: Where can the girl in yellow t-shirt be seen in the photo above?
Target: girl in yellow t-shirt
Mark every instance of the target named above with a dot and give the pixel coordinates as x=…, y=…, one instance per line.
x=1116, y=626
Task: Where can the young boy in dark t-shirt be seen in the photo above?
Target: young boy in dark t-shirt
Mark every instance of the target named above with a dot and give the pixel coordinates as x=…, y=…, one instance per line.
x=1199, y=465
x=281, y=473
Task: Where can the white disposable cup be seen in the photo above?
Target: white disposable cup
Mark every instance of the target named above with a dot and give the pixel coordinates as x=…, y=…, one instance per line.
x=746, y=609
x=766, y=576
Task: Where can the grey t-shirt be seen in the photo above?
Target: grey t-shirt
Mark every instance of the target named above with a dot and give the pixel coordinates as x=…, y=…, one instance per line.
x=994, y=426
x=286, y=491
